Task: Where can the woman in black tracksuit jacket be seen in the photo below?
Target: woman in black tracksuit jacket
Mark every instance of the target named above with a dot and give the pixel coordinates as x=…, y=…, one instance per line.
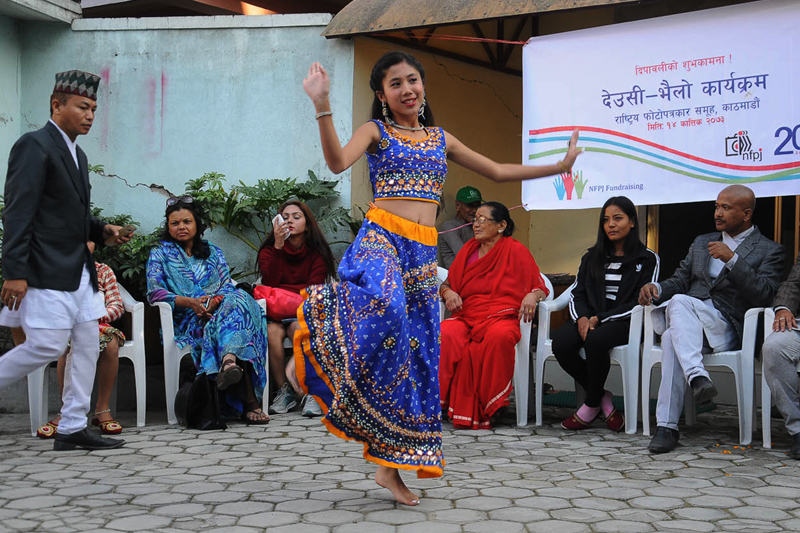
x=605, y=291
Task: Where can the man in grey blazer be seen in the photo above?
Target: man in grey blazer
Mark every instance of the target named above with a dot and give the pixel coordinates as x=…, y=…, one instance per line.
x=781, y=353
x=724, y=274
x=50, y=282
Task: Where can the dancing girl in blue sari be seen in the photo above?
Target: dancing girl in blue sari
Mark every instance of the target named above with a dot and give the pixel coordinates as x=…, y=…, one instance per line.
x=368, y=347
x=222, y=324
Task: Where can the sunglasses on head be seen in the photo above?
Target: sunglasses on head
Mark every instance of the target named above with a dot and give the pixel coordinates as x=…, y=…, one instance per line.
x=185, y=199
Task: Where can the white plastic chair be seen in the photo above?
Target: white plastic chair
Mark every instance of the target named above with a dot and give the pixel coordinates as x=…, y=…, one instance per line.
x=627, y=356
x=522, y=365
x=441, y=277
x=173, y=356
x=38, y=386
x=521, y=354
x=288, y=344
x=741, y=362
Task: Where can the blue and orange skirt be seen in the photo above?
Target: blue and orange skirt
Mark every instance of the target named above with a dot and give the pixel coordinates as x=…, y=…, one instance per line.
x=368, y=346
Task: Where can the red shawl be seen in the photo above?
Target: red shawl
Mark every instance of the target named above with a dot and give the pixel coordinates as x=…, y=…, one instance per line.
x=493, y=286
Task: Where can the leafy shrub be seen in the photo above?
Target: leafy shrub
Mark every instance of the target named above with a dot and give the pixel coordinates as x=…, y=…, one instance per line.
x=128, y=261
x=244, y=211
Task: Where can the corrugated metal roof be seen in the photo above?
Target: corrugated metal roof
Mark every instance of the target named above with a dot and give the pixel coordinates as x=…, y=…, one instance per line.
x=373, y=16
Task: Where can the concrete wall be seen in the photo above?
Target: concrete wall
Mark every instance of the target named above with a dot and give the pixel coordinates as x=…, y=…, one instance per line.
x=49, y=10
x=10, y=56
x=182, y=97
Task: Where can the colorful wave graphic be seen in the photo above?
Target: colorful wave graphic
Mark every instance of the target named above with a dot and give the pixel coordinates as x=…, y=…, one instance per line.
x=610, y=142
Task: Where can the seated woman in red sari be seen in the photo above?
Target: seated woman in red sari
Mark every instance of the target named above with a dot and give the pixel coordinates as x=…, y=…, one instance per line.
x=492, y=284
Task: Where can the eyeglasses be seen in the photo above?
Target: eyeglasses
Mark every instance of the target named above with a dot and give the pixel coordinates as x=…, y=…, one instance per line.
x=185, y=199
x=480, y=219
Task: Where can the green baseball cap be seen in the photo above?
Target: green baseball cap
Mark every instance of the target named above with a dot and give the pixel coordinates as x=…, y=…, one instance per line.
x=468, y=195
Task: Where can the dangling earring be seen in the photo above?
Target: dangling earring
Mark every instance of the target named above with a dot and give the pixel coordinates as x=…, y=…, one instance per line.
x=422, y=109
x=392, y=123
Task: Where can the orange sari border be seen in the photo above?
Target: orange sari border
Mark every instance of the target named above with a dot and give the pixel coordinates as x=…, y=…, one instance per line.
x=426, y=235
x=301, y=345
x=422, y=471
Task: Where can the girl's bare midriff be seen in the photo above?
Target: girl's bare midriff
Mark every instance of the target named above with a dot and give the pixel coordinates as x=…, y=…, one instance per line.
x=417, y=211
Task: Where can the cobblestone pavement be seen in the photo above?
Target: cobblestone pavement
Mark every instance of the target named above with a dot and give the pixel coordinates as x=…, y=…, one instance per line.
x=292, y=476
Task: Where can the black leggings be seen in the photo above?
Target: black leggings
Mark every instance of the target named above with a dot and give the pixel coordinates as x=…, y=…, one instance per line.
x=590, y=373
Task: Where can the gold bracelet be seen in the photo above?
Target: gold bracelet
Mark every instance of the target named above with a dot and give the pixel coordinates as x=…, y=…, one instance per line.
x=563, y=167
x=323, y=114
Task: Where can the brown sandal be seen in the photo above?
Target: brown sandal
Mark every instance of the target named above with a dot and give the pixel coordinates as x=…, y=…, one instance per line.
x=229, y=374
x=255, y=421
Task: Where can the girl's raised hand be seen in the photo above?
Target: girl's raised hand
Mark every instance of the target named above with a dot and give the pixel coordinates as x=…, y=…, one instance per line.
x=317, y=84
x=573, y=151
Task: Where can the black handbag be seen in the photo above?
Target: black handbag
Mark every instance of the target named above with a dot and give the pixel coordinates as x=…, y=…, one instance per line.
x=197, y=404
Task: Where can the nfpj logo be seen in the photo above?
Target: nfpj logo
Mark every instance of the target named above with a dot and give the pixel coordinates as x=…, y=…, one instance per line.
x=739, y=144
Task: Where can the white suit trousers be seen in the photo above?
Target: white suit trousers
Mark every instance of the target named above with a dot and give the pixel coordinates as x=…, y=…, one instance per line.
x=691, y=324
x=49, y=318
x=43, y=346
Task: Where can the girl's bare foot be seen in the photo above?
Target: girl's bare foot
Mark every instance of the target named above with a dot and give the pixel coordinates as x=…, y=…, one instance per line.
x=389, y=478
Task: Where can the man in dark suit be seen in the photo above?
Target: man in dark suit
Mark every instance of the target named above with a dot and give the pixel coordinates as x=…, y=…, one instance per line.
x=781, y=353
x=50, y=286
x=724, y=274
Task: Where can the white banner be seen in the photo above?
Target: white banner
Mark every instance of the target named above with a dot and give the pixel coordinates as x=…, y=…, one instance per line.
x=670, y=109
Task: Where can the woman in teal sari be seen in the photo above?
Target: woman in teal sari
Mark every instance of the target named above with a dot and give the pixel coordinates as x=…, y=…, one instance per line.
x=224, y=326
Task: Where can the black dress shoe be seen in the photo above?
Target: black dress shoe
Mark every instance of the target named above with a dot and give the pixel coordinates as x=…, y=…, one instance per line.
x=703, y=390
x=794, y=451
x=84, y=439
x=664, y=440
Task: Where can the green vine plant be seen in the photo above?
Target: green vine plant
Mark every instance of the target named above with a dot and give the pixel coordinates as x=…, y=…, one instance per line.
x=129, y=261
x=246, y=211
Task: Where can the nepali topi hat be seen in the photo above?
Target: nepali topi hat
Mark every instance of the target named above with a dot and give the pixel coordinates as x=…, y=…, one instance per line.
x=77, y=82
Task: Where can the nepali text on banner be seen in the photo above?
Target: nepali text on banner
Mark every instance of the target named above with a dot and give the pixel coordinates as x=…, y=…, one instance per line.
x=670, y=109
